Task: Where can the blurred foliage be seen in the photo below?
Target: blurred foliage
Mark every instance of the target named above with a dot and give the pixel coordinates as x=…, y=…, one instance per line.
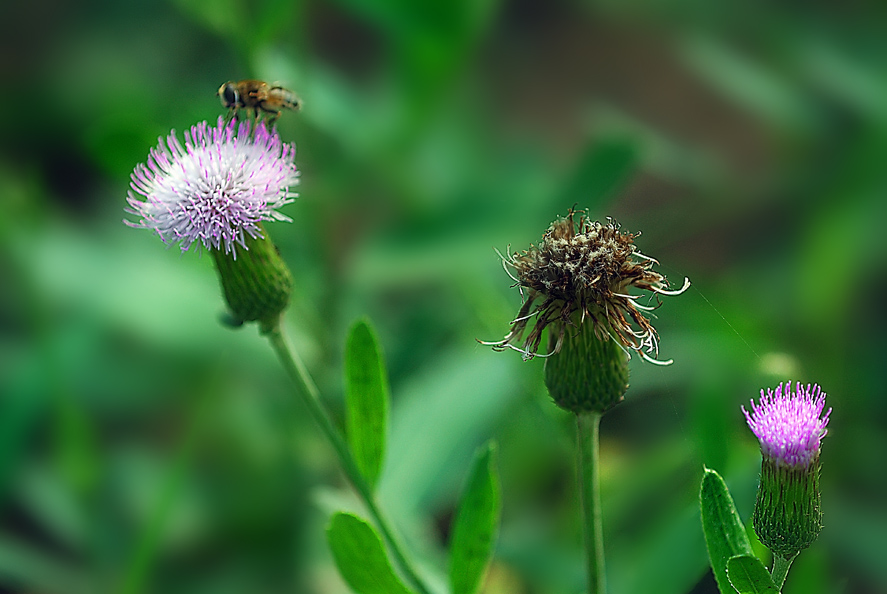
x=146, y=448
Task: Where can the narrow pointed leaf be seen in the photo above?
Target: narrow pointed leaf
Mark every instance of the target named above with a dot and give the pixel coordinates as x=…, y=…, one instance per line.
x=725, y=534
x=360, y=556
x=749, y=576
x=475, y=524
x=366, y=393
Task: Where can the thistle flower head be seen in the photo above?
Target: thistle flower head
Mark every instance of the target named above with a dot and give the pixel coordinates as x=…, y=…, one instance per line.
x=788, y=511
x=581, y=273
x=788, y=424
x=217, y=188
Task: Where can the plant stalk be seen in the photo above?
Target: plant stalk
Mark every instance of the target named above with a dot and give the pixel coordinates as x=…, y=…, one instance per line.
x=588, y=471
x=306, y=388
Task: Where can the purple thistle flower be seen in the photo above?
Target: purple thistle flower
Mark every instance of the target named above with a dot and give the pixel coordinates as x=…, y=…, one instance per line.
x=788, y=425
x=216, y=188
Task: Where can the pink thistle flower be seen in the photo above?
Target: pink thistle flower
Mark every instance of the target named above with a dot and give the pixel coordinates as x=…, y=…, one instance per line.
x=215, y=189
x=788, y=424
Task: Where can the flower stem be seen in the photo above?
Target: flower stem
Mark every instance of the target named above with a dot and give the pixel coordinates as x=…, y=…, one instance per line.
x=588, y=470
x=306, y=388
x=780, y=569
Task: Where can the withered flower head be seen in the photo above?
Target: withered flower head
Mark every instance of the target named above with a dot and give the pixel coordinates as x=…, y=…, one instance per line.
x=581, y=273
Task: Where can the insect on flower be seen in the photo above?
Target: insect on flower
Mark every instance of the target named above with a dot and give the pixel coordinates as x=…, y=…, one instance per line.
x=258, y=96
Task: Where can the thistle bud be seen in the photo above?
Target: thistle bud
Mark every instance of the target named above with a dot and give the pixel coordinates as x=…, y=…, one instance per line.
x=586, y=374
x=788, y=516
x=257, y=284
x=216, y=190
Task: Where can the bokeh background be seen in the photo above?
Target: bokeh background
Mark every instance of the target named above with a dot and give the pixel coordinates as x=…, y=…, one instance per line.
x=144, y=447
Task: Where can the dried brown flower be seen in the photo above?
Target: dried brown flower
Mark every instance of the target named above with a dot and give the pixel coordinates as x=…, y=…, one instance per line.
x=580, y=273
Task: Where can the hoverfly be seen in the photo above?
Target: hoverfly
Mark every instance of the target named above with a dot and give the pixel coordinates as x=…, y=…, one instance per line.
x=258, y=96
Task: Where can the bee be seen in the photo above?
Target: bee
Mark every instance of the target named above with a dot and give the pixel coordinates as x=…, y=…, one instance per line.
x=258, y=96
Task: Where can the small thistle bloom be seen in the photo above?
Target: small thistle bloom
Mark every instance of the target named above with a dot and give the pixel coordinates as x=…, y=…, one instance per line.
x=217, y=188
x=585, y=269
x=788, y=424
x=790, y=427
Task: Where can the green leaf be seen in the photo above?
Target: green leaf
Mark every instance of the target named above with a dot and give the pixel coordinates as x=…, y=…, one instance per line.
x=366, y=394
x=463, y=398
x=748, y=83
x=724, y=532
x=602, y=170
x=749, y=576
x=360, y=556
x=219, y=16
x=475, y=525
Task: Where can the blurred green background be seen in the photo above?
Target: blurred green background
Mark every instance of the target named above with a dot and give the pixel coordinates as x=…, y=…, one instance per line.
x=146, y=448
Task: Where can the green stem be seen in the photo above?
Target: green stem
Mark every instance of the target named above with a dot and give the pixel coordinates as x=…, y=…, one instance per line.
x=780, y=569
x=295, y=368
x=588, y=461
